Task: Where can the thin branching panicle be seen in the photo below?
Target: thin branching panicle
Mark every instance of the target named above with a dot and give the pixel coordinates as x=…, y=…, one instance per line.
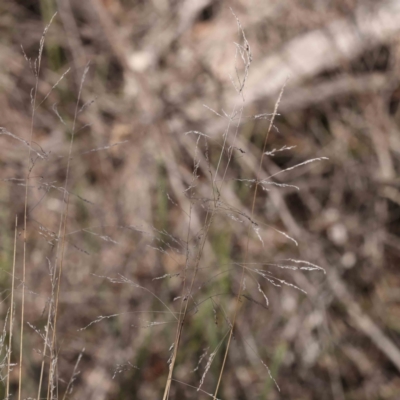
x=247, y=246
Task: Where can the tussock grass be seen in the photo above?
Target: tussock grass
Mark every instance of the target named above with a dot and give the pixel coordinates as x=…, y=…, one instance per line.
x=208, y=278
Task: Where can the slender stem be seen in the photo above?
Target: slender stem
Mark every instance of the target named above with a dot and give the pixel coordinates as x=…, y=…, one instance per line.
x=64, y=219
x=45, y=344
x=11, y=311
x=37, y=66
x=207, y=224
x=237, y=305
x=30, y=166
x=52, y=368
x=185, y=300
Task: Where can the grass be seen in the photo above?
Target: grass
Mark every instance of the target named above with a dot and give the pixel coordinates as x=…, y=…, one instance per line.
x=211, y=311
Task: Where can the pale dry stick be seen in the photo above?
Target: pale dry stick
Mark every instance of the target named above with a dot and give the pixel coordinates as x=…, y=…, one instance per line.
x=11, y=310
x=33, y=99
x=248, y=240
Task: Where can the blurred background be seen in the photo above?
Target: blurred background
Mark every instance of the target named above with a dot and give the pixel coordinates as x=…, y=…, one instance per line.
x=138, y=200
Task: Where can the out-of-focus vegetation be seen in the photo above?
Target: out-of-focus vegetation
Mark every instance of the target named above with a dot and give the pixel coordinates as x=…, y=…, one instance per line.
x=161, y=69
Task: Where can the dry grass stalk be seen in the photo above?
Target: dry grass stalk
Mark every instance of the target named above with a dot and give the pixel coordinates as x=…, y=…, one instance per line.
x=213, y=206
x=36, y=71
x=237, y=305
x=243, y=51
x=11, y=310
x=62, y=236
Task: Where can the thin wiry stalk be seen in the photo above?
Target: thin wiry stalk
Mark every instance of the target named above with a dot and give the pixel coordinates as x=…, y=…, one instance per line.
x=210, y=360
x=194, y=387
x=182, y=315
x=237, y=305
x=209, y=215
x=103, y=317
x=46, y=341
x=64, y=220
x=57, y=299
x=11, y=310
x=30, y=167
x=180, y=321
x=123, y=280
x=75, y=373
x=185, y=298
